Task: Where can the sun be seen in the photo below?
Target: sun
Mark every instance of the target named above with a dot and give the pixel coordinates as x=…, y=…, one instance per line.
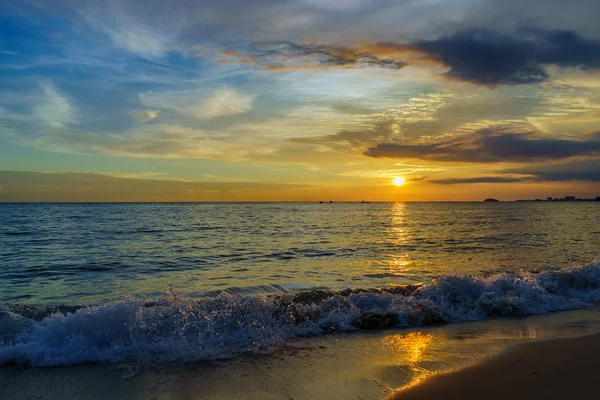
x=399, y=181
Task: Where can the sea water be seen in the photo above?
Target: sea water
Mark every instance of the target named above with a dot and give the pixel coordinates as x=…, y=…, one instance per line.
x=112, y=282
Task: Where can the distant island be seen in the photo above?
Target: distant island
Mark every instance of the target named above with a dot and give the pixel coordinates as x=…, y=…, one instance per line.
x=566, y=198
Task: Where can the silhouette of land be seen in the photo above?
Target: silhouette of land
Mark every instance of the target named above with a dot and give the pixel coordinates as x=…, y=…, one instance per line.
x=566, y=198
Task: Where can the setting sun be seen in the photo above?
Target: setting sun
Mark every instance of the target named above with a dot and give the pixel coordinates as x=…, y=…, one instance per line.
x=399, y=181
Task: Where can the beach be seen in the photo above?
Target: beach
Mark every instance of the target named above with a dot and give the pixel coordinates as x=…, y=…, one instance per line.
x=554, y=369
x=362, y=365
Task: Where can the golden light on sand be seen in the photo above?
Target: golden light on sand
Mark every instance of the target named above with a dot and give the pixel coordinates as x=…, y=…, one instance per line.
x=399, y=181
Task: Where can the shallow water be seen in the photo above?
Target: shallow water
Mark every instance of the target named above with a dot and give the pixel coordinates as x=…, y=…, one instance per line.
x=95, y=253
x=363, y=365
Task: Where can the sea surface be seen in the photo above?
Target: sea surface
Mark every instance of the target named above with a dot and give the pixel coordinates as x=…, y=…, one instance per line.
x=110, y=282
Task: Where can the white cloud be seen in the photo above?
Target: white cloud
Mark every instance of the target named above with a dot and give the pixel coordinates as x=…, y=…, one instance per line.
x=144, y=115
x=127, y=33
x=223, y=102
x=196, y=104
x=54, y=108
x=577, y=77
x=155, y=141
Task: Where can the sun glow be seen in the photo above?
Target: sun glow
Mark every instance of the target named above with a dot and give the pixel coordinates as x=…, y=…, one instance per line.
x=399, y=181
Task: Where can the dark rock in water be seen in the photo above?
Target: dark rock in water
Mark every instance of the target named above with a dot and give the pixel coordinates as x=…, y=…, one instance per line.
x=376, y=320
x=423, y=315
x=491, y=200
x=404, y=290
x=505, y=310
x=312, y=296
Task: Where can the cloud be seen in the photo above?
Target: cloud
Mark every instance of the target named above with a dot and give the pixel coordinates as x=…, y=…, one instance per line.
x=200, y=103
x=144, y=115
x=578, y=170
x=127, y=32
x=352, y=140
x=156, y=140
x=480, y=56
x=285, y=56
x=571, y=171
x=496, y=144
x=508, y=15
x=488, y=57
x=415, y=118
x=575, y=77
x=479, y=179
x=53, y=107
x=336, y=4
x=223, y=102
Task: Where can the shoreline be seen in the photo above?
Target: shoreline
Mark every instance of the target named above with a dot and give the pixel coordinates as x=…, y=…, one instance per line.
x=549, y=369
x=365, y=365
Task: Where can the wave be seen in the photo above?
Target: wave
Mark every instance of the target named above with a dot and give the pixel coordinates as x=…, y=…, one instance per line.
x=18, y=233
x=179, y=328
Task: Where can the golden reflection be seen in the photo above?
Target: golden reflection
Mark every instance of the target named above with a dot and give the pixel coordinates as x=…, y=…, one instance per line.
x=399, y=223
x=530, y=334
x=413, y=346
x=399, y=235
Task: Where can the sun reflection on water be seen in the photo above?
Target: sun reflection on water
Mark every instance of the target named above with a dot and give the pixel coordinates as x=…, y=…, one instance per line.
x=412, y=346
x=399, y=236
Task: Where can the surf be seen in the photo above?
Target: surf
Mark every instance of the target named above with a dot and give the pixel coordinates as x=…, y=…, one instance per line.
x=180, y=328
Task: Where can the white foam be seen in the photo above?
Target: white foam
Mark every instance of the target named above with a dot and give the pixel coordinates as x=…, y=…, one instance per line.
x=186, y=329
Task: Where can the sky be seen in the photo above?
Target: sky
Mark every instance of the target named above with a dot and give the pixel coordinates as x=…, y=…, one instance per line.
x=299, y=100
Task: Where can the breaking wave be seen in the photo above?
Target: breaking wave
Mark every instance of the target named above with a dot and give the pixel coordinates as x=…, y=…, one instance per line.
x=177, y=328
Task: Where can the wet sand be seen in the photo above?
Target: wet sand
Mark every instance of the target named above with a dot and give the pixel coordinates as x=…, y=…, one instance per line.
x=555, y=369
x=362, y=365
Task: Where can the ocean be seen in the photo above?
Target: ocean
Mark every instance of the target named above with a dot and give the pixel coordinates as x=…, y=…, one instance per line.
x=186, y=282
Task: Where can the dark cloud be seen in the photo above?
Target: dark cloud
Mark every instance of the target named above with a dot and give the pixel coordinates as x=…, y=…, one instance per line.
x=490, y=145
x=578, y=170
x=348, y=139
x=332, y=55
x=480, y=56
x=478, y=179
x=490, y=58
x=486, y=57
x=287, y=55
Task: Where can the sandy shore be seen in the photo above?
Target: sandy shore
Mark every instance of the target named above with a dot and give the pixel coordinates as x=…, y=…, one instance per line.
x=367, y=366
x=555, y=369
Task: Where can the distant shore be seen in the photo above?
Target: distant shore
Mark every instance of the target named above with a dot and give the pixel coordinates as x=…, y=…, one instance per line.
x=554, y=369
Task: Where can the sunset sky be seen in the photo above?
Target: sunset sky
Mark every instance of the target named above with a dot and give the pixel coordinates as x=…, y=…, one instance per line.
x=298, y=100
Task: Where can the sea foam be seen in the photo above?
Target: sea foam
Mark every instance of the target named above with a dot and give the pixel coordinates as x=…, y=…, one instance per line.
x=178, y=328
